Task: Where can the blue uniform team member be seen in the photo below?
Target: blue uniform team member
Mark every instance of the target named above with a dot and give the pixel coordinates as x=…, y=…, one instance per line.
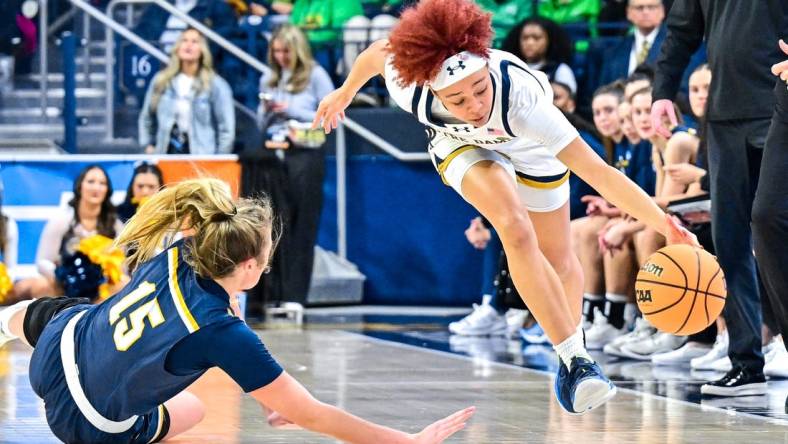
x=116, y=372
x=496, y=138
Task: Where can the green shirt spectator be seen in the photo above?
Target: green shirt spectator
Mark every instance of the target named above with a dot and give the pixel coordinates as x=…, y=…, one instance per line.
x=314, y=15
x=506, y=14
x=570, y=11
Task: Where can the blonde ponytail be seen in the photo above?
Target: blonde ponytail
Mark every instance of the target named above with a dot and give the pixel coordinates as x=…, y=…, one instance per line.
x=224, y=232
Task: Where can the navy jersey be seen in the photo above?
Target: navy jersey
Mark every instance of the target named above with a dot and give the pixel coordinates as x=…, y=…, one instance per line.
x=121, y=345
x=635, y=162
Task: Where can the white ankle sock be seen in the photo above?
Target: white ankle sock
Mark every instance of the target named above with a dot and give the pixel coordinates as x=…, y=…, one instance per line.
x=7, y=313
x=571, y=347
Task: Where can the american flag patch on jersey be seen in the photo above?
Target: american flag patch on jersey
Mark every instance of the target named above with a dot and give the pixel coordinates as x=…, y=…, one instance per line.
x=495, y=132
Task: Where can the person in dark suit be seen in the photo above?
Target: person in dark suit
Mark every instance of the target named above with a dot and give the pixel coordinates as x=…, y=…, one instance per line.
x=740, y=36
x=642, y=46
x=770, y=209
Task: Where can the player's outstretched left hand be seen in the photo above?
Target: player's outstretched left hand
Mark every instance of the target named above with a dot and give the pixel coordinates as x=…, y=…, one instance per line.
x=440, y=430
x=676, y=234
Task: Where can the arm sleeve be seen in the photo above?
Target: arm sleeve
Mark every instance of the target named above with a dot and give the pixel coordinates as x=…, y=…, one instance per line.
x=543, y=122
x=230, y=345
x=10, y=255
x=686, y=26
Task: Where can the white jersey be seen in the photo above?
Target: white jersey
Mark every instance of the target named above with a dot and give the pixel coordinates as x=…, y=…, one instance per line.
x=524, y=126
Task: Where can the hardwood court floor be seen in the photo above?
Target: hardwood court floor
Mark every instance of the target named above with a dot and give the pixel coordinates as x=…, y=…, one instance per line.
x=406, y=387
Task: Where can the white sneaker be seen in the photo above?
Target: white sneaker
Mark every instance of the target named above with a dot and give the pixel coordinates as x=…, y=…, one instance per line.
x=643, y=329
x=656, y=344
x=515, y=319
x=720, y=365
x=682, y=355
x=601, y=332
x=777, y=361
x=718, y=350
x=482, y=321
x=770, y=348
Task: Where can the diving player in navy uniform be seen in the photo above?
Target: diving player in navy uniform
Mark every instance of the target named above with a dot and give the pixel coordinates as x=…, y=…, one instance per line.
x=496, y=138
x=116, y=372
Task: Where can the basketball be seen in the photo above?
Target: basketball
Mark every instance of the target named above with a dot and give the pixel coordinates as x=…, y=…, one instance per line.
x=680, y=289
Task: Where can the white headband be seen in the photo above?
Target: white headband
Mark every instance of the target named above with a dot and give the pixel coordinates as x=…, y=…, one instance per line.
x=456, y=68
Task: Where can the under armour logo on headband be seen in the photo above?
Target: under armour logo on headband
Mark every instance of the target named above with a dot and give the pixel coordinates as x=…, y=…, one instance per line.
x=456, y=68
x=451, y=69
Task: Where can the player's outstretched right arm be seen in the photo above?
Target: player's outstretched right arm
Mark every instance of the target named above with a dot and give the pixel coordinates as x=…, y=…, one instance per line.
x=371, y=62
x=291, y=400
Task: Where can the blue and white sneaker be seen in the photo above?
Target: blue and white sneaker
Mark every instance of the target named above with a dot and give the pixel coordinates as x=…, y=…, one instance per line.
x=534, y=335
x=582, y=388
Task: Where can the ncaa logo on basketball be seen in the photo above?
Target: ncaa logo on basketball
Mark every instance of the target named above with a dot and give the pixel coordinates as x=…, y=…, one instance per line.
x=643, y=296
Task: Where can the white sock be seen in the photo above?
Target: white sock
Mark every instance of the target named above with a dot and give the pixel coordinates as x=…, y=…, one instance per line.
x=7, y=313
x=572, y=347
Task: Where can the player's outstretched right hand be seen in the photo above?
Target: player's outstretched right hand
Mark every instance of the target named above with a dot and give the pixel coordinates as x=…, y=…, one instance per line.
x=332, y=109
x=440, y=430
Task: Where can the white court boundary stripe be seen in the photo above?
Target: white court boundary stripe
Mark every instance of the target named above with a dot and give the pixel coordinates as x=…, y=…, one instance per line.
x=542, y=372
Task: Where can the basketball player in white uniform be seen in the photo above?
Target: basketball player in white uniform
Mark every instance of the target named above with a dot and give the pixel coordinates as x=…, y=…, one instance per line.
x=496, y=138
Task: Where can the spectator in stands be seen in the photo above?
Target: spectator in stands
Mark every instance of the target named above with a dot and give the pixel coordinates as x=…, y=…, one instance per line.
x=90, y=212
x=291, y=94
x=145, y=182
x=505, y=15
x=188, y=107
x=157, y=24
x=543, y=45
x=323, y=21
x=620, y=60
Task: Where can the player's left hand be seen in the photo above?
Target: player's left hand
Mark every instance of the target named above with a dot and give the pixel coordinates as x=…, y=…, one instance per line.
x=440, y=430
x=677, y=234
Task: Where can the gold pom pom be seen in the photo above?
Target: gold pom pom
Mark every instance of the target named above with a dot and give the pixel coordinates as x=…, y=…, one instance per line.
x=101, y=252
x=6, y=284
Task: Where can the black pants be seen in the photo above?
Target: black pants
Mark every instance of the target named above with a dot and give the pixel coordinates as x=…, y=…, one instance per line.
x=295, y=186
x=305, y=174
x=735, y=151
x=770, y=213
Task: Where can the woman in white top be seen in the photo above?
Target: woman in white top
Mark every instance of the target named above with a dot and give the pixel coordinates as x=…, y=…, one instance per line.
x=188, y=108
x=496, y=138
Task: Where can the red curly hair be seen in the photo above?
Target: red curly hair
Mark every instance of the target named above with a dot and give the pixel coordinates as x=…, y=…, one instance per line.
x=434, y=30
